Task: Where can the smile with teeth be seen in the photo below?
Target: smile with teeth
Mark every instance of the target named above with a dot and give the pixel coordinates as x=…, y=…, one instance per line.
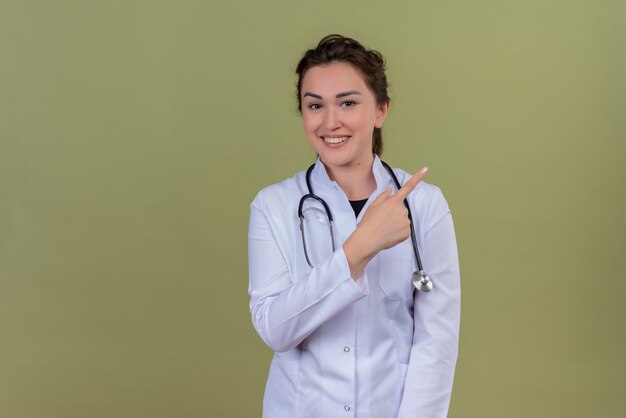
x=334, y=140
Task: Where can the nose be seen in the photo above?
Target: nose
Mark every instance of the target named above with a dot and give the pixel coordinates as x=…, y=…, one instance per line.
x=331, y=120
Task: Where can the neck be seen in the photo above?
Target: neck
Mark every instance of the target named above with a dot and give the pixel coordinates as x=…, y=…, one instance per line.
x=356, y=180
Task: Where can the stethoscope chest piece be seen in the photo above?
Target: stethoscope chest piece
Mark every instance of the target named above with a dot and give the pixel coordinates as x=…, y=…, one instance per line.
x=421, y=281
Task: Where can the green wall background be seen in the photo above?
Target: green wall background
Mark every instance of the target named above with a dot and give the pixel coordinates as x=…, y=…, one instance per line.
x=134, y=135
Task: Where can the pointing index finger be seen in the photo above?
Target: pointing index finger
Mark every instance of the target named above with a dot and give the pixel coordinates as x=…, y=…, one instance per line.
x=410, y=184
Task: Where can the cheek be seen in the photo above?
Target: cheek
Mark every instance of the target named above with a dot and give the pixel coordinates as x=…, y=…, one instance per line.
x=362, y=120
x=310, y=124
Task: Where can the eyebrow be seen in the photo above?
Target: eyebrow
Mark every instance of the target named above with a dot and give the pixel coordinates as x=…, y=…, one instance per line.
x=338, y=95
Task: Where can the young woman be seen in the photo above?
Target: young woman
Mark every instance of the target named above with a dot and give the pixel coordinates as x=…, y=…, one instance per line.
x=332, y=261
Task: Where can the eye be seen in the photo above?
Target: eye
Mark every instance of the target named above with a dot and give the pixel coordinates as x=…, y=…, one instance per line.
x=314, y=106
x=348, y=103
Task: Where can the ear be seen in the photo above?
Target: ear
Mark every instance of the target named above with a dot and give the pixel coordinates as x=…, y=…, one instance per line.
x=381, y=113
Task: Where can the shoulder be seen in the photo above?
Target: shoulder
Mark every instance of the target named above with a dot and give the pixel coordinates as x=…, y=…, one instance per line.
x=279, y=194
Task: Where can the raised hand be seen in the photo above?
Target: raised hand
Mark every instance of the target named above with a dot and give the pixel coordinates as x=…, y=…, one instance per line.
x=384, y=224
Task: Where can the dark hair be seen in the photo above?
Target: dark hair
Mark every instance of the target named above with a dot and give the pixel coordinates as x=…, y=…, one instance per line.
x=370, y=63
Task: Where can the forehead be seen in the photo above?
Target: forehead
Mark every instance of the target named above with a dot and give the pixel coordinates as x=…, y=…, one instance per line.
x=333, y=78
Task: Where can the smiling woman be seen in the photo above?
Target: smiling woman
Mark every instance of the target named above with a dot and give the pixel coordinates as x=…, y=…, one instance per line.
x=352, y=336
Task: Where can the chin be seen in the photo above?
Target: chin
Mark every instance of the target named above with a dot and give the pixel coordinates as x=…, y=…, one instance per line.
x=336, y=160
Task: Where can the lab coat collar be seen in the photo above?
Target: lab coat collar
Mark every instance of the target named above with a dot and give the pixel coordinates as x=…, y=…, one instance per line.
x=320, y=178
x=381, y=175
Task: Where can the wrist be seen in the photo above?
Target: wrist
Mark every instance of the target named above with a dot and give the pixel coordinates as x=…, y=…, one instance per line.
x=358, y=252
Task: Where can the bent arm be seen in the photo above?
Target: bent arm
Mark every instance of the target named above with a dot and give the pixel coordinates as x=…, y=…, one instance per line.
x=430, y=375
x=284, y=311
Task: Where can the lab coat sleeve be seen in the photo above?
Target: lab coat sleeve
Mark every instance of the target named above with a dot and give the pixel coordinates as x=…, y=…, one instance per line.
x=430, y=374
x=284, y=311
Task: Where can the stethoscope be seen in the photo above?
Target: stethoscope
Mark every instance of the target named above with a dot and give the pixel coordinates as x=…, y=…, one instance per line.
x=420, y=279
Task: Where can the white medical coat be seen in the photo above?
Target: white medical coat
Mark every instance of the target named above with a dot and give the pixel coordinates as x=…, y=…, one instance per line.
x=370, y=348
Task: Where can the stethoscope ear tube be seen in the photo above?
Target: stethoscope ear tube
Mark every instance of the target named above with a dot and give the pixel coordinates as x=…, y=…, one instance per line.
x=312, y=195
x=330, y=225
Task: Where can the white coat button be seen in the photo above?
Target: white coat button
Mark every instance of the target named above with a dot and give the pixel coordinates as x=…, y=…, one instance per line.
x=346, y=349
x=347, y=408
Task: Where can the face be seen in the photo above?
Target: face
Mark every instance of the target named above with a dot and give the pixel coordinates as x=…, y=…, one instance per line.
x=339, y=113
